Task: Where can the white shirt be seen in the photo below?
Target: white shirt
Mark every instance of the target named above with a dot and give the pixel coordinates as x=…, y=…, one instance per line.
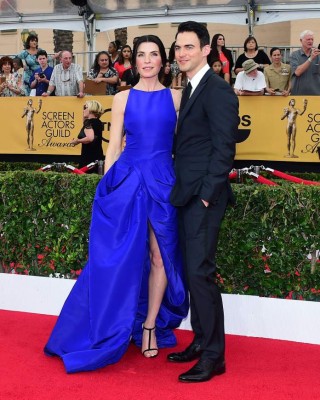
x=252, y=84
x=197, y=78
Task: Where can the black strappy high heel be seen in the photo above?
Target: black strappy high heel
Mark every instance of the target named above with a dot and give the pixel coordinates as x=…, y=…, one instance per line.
x=149, y=342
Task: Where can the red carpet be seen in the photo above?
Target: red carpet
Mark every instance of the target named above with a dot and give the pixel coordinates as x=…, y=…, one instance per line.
x=259, y=369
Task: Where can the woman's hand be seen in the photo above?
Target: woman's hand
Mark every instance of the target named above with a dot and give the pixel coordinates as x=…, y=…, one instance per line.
x=272, y=92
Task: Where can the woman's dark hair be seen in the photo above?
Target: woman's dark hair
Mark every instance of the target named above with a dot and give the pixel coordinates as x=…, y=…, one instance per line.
x=214, y=44
x=5, y=60
x=199, y=29
x=273, y=50
x=121, y=58
x=29, y=38
x=158, y=42
x=214, y=60
x=96, y=66
x=18, y=61
x=249, y=38
x=214, y=50
x=166, y=79
x=172, y=52
x=116, y=44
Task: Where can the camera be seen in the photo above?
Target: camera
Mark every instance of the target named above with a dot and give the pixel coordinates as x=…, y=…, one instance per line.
x=42, y=76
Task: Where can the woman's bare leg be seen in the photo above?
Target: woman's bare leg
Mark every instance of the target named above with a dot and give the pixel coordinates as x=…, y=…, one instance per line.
x=157, y=287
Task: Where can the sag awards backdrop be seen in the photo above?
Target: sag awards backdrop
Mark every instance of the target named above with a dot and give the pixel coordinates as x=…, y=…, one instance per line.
x=280, y=128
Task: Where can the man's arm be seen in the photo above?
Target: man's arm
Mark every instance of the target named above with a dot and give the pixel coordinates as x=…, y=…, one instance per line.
x=52, y=83
x=222, y=111
x=298, y=68
x=79, y=78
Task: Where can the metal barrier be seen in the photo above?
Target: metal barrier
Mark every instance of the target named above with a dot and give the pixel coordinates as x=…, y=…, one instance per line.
x=85, y=58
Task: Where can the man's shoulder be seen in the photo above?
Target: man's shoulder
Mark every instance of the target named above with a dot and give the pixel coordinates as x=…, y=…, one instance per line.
x=57, y=67
x=297, y=53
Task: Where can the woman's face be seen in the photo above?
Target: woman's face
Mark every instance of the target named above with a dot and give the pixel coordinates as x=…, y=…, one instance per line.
x=217, y=67
x=6, y=67
x=112, y=48
x=167, y=68
x=103, y=61
x=276, y=56
x=126, y=53
x=220, y=41
x=148, y=60
x=251, y=45
x=85, y=110
x=33, y=43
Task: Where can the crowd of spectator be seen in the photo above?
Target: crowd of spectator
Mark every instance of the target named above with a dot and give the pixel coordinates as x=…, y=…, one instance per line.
x=253, y=72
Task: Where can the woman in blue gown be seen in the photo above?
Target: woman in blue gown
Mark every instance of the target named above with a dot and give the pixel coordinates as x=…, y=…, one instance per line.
x=132, y=288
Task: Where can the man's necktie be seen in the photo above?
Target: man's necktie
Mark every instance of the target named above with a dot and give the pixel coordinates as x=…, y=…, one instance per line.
x=185, y=96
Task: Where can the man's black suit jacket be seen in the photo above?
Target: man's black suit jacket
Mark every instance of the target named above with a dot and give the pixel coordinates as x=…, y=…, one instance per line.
x=205, y=142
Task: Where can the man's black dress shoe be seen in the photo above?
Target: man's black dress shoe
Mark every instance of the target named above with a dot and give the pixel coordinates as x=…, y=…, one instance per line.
x=204, y=370
x=191, y=353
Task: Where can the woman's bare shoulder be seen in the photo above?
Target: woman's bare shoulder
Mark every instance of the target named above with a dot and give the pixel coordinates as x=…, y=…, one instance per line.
x=120, y=99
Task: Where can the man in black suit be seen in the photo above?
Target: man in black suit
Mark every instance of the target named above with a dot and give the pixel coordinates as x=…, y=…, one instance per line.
x=204, y=153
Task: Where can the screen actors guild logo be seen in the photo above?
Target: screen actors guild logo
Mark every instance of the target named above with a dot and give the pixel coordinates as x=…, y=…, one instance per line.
x=291, y=113
x=29, y=112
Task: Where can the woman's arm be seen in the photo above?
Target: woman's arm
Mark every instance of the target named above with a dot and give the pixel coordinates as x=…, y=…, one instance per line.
x=116, y=132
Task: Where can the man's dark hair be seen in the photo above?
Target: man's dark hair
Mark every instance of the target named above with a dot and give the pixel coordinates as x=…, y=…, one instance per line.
x=199, y=29
x=42, y=53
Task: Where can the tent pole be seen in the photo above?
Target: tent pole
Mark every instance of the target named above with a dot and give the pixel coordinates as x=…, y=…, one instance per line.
x=250, y=15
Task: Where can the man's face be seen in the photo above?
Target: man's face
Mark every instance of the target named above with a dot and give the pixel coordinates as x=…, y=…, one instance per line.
x=43, y=61
x=307, y=42
x=190, y=57
x=66, y=59
x=253, y=74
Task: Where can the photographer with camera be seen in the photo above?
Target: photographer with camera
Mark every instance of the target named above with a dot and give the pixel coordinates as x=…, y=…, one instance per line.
x=41, y=77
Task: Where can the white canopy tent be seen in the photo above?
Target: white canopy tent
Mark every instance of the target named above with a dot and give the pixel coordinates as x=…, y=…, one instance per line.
x=102, y=15
x=110, y=14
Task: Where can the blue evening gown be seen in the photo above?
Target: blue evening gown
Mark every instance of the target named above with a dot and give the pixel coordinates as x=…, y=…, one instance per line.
x=108, y=304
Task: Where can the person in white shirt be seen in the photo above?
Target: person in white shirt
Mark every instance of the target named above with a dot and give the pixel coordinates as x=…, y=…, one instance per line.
x=66, y=78
x=250, y=81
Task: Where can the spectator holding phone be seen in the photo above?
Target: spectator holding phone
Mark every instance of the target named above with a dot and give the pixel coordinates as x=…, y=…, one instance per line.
x=41, y=77
x=10, y=85
x=305, y=67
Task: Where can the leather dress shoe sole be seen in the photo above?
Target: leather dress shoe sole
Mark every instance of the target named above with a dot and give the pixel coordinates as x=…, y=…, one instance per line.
x=203, y=371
